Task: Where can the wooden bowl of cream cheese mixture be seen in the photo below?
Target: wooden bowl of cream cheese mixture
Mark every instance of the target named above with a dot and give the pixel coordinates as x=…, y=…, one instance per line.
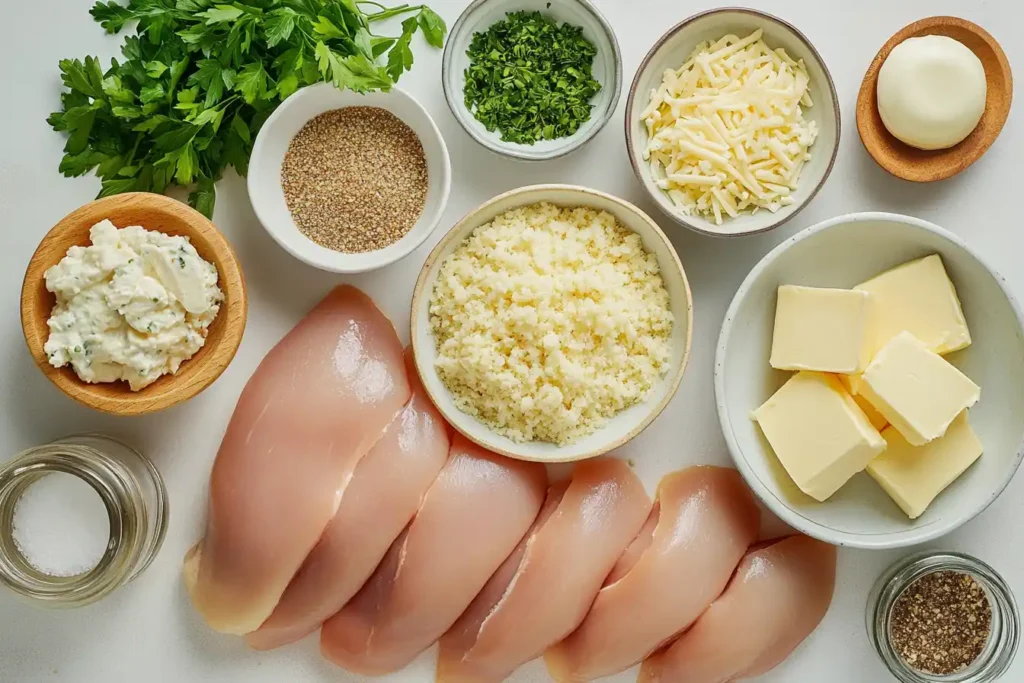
x=157, y=329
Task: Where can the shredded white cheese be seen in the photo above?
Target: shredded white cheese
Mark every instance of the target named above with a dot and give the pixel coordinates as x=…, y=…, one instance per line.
x=549, y=321
x=726, y=131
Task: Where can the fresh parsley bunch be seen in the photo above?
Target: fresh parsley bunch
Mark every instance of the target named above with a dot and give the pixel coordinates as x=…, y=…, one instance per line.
x=530, y=78
x=200, y=77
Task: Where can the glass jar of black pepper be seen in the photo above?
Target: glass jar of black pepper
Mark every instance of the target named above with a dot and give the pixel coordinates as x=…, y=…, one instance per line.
x=992, y=630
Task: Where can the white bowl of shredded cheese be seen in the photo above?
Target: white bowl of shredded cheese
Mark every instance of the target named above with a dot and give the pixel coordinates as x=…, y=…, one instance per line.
x=553, y=323
x=732, y=122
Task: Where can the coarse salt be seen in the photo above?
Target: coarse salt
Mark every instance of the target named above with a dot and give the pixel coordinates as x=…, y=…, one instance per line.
x=61, y=525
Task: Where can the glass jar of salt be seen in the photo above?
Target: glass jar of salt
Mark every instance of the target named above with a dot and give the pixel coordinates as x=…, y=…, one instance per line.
x=79, y=518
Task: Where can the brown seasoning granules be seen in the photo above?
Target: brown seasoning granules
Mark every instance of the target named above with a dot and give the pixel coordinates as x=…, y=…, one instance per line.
x=941, y=622
x=355, y=179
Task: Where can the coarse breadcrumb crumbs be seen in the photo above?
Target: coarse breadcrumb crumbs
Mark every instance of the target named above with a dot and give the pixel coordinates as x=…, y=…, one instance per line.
x=549, y=321
x=355, y=179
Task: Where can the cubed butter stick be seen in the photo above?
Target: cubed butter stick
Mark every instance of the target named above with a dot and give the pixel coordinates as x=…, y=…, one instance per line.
x=916, y=297
x=914, y=476
x=820, y=329
x=919, y=392
x=818, y=433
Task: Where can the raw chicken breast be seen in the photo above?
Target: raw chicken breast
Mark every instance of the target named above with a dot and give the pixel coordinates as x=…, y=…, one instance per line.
x=385, y=492
x=703, y=521
x=780, y=593
x=315, y=405
x=545, y=588
x=472, y=518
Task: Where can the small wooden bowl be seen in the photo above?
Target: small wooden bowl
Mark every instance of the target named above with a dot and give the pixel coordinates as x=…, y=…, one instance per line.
x=153, y=212
x=921, y=166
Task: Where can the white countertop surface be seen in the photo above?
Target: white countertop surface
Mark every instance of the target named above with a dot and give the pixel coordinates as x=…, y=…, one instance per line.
x=147, y=631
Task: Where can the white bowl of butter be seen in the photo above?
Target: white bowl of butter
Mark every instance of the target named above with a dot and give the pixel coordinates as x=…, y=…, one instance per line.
x=842, y=253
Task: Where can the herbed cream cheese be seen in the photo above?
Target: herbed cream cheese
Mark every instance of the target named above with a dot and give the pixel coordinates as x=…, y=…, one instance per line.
x=132, y=306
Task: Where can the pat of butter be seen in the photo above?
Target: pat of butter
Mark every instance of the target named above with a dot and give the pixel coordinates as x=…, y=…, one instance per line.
x=914, y=475
x=820, y=329
x=818, y=433
x=918, y=391
x=916, y=297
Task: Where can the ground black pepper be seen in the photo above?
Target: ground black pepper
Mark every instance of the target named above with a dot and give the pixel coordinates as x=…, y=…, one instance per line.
x=941, y=622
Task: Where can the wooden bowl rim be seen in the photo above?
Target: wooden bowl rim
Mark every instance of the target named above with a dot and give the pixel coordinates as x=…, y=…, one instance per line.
x=867, y=105
x=424, y=288
x=231, y=280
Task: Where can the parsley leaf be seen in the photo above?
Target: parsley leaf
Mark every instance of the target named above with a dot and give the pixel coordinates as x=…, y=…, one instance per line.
x=204, y=197
x=111, y=15
x=252, y=82
x=433, y=27
x=279, y=25
x=220, y=14
x=212, y=77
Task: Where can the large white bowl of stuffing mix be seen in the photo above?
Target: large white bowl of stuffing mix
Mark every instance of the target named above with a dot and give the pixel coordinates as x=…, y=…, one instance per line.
x=553, y=323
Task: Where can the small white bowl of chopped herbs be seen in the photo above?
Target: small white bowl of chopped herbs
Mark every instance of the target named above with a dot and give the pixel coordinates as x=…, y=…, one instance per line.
x=349, y=182
x=532, y=79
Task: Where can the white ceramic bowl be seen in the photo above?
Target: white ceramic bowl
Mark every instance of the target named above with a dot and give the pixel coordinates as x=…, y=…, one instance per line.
x=842, y=252
x=624, y=426
x=672, y=50
x=479, y=16
x=267, y=194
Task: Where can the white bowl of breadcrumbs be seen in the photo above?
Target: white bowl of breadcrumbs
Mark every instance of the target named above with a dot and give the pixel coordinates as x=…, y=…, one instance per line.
x=349, y=182
x=553, y=323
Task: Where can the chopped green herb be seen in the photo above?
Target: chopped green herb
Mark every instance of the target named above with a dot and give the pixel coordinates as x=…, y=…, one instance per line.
x=181, y=263
x=530, y=78
x=200, y=77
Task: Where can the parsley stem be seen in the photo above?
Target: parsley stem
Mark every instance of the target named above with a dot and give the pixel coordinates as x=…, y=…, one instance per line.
x=135, y=148
x=393, y=12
